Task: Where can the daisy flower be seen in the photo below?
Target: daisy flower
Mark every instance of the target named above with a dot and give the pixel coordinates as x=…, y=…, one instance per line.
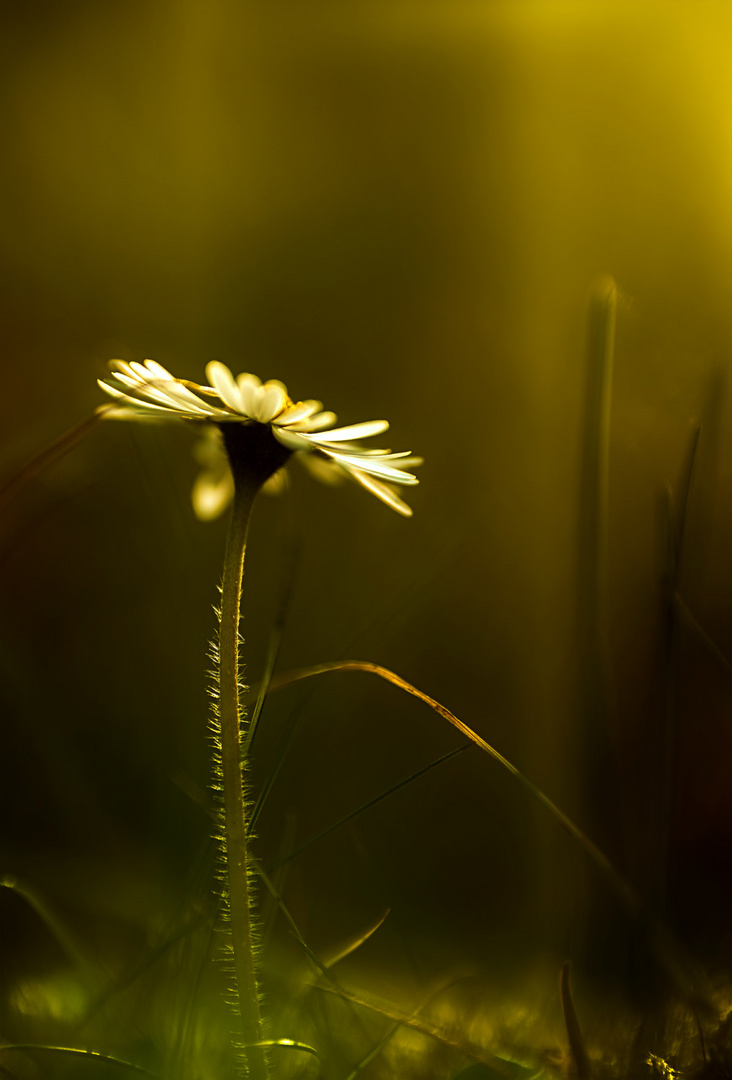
x=243, y=408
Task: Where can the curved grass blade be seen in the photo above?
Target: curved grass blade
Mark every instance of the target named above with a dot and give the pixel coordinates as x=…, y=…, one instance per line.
x=287, y=1044
x=269, y=885
x=267, y=906
x=412, y=1020
x=367, y=806
x=314, y=959
x=184, y=1048
x=281, y=753
x=379, y=1046
x=394, y=609
x=95, y=1055
x=139, y=969
x=346, y=948
x=669, y=953
x=68, y=941
x=620, y=885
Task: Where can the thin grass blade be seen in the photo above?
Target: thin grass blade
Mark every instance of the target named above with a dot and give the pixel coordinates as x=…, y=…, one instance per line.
x=52, y=453
x=671, y=955
x=367, y=806
x=68, y=1051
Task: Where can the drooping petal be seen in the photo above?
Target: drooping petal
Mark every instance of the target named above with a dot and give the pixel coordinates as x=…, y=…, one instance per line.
x=381, y=491
x=212, y=493
x=277, y=483
x=349, y=448
x=405, y=457
x=372, y=466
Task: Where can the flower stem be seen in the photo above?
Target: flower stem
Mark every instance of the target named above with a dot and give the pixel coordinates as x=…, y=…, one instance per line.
x=232, y=777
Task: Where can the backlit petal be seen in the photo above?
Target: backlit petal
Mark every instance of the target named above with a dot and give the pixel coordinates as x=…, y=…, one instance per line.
x=225, y=385
x=355, y=431
x=381, y=491
x=250, y=390
x=272, y=402
x=291, y=439
x=135, y=403
x=317, y=422
x=373, y=467
x=295, y=414
x=157, y=370
x=212, y=493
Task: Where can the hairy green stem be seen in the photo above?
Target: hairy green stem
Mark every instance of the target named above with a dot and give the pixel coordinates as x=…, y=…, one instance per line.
x=232, y=776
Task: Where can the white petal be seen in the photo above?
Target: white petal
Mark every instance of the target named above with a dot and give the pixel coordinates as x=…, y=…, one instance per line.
x=122, y=412
x=403, y=460
x=291, y=439
x=373, y=466
x=316, y=423
x=129, y=379
x=346, y=448
x=406, y=456
x=272, y=402
x=147, y=391
x=295, y=414
x=158, y=389
x=135, y=403
x=143, y=374
x=180, y=394
x=355, y=431
x=211, y=495
x=226, y=387
x=276, y=382
x=381, y=491
x=122, y=365
x=157, y=370
x=249, y=388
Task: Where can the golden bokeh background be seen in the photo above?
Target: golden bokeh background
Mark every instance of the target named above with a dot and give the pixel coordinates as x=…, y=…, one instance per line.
x=400, y=208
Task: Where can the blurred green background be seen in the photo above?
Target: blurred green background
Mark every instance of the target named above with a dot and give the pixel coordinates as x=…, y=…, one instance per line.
x=399, y=208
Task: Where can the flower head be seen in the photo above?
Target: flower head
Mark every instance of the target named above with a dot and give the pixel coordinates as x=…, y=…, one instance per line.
x=149, y=391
